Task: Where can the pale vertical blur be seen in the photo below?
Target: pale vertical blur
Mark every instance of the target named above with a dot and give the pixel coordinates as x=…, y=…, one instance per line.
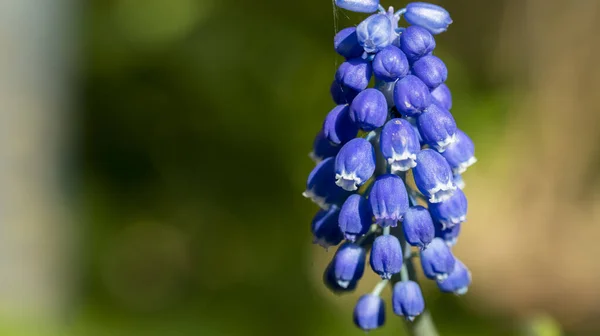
x=34, y=99
x=534, y=221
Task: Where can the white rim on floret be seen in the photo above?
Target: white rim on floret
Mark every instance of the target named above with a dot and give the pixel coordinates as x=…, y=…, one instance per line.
x=402, y=162
x=343, y=283
x=452, y=242
x=442, y=145
x=452, y=221
x=384, y=222
x=318, y=200
x=314, y=157
x=460, y=183
x=441, y=277
x=462, y=167
x=349, y=182
x=462, y=290
x=441, y=192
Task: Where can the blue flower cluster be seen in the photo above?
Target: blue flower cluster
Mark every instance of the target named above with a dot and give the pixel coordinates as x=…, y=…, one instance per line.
x=368, y=144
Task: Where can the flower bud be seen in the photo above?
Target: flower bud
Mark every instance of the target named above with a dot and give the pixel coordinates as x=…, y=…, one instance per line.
x=346, y=43
x=349, y=264
x=355, y=74
x=411, y=96
x=341, y=94
x=418, y=227
x=433, y=176
x=416, y=42
x=437, y=127
x=338, y=127
x=369, y=109
x=360, y=6
x=407, y=299
x=429, y=16
x=389, y=200
x=331, y=282
x=375, y=33
x=369, y=312
x=460, y=153
x=390, y=64
x=320, y=185
x=354, y=164
x=449, y=235
x=399, y=145
x=442, y=96
x=324, y=227
x=322, y=148
x=431, y=70
x=355, y=217
x=451, y=211
x=458, y=280
x=386, y=256
x=437, y=260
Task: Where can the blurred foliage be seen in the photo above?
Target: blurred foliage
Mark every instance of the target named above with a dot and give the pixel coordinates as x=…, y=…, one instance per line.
x=197, y=119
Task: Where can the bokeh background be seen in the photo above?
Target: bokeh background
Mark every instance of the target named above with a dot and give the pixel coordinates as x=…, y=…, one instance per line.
x=154, y=152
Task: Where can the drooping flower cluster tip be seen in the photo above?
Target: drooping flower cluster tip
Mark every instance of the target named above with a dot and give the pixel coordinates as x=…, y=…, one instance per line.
x=369, y=146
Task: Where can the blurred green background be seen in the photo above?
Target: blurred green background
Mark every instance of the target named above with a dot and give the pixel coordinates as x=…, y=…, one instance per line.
x=190, y=125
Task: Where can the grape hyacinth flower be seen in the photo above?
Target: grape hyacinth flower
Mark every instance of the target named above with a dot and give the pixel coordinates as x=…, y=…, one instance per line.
x=369, y=110
x=349, y=264
x=451, y=211
x=461, y=153
x=418, y=227
x=375, y=33
x=429, y=16
x=369, y=312
x=346, y=43
x=437, y=126
x=390, y=64
x=386, y=256
x=457, y=281
x=331, y=282
x=416, y=42
x=431, y=70
x=373, y=139
x=355, y=74
x=411, y=96
x=325, y=229
x=433, y=176
x=338, y=128
x=360, y=6
x=321, y=185
x=389, y=200
x=355, y=217
x=437, y=260
x=407, y=300
x=399, y=145
x=354, y=164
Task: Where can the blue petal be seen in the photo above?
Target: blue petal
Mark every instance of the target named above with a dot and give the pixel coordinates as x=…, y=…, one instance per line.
x=386, y=256
x=369, y=312
x=407, y=299
x=360, y=6
x=429, y=16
